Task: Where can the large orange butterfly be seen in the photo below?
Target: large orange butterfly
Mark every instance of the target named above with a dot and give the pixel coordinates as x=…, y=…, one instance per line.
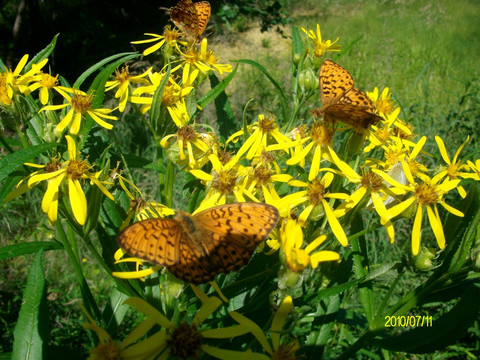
x=196, y=248
x=191, y=18
x=341, y=101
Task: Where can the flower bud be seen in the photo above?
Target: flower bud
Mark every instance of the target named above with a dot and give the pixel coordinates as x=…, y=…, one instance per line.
x=423, y=261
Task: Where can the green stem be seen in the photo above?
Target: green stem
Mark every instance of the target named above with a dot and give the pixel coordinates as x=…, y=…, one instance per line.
x=360, y=266
x=88, y=298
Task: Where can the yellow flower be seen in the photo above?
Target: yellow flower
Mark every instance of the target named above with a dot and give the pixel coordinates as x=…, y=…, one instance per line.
x=169, y=37
x=44, y=82
x=383, y=103
x=383, y=133
x=210, y=59
x=123, y=79
x=262, y=176
x=173, y=96
x=199, y=146
x=371, y=185
x=315, y=195
x=80, y=104
x=55, y=173
x=424, y=195
x=223, y=182
x=321, y=47
x=264, y=136
x=454, y=167
x=297, y=258
x=12, y=81
x=320, y=145
x=181, y=341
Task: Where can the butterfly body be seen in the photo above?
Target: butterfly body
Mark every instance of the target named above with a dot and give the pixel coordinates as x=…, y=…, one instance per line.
x=341, y=101
x=195, y=248
x=191, y=18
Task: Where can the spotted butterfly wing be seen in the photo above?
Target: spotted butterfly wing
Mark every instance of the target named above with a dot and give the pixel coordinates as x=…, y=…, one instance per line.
x=196, y=248
x=191, y=18
x=341, y=101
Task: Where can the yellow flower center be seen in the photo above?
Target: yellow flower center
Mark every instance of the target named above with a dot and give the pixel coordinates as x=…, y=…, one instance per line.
x=402, y=134
x=76, y=168
x=211, y=58
x=267, y=124
x=384, y=105
x=394, y=155
x=452, y=170
x=316, y=192
x=53, y=165
x=192, y=56
x=297, y=259
x=266, y=157
x=186, y=133
x=426, y=194
x=372, y=181
x=321, y=133
x=383, y=134
x=106, y=351
x=224, y=156
x=49, y=81
x=171, y=36
x=185, y=341
x=413, y=166
x=170, y=95
x=301, y=130
x=122, y=76
x=286, y=351
x=262, y=174
x=224, y=181
x=82, y=103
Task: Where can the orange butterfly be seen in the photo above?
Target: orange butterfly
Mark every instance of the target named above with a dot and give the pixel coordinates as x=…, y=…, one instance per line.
x=191, y=18
x=196, y=248
x=341, y=101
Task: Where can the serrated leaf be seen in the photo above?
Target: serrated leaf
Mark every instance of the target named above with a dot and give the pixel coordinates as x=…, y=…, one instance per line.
x=43, y=54
x=28, y=342
x=28, y=248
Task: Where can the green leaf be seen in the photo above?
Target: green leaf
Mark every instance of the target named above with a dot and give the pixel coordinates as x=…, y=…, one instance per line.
x=11, y=162
x=28, y=339
x=156, y=108
x=98, y=65
x=216, y=91
x=115, y=311
x=297, y=43
x=43, y=54
x=443, y=331
x=225, y=116
x=462, y=232
x=9, y=183
x=28, y=248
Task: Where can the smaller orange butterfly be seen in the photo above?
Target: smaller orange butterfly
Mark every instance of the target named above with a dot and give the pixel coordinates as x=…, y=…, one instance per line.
x=341, y=101
x=191, y=18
